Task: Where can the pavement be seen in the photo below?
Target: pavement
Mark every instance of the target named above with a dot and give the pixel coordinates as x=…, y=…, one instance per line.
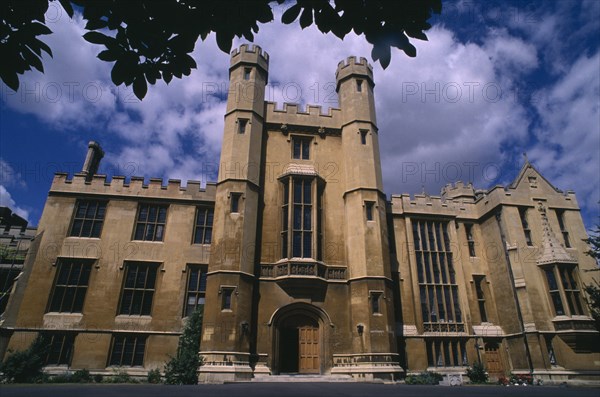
x=290, y=390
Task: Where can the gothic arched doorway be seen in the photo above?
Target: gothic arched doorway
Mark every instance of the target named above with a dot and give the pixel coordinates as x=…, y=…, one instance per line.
x=298, y=339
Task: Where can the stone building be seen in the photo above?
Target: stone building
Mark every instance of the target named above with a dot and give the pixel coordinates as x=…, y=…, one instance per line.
x=302, y=264
x=15, y=239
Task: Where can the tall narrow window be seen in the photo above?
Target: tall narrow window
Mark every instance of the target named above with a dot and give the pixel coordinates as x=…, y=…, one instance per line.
x=138, y=289
x=88, y=218
x=479, y=280
x=226, y=298
x=196, y=288
x=297, y=212
x=301, y=147
x=302, y=218
x=564, y=290
x=470, y=240
x=438, y=290
x=359, y=84
x=235, y=202
x=203, y=225
x=376, y=302
x=247, y=73
x=369, y=205
x=571, y=290
x=242, y=124
x=70, y=286
x=60, y=348
x=560, y=214
x=363, y=136
x=525, y=224
x=554, y=291
x=127, y=350
x=151, y=221
x=285, y=208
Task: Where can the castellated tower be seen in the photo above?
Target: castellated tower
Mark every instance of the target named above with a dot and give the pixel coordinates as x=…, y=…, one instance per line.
x=367, y=248
x=230, y=282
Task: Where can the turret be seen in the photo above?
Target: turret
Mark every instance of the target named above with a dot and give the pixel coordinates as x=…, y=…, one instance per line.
x=354, y=85
x=227, y=335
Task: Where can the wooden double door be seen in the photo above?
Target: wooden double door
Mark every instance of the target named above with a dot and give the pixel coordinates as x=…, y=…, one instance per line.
x=299, y=348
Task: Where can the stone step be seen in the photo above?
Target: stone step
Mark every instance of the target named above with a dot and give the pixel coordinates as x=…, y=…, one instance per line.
x=302, y=378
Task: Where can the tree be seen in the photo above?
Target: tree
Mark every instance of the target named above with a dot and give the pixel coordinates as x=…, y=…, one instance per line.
x=152, y=40
x=26, y=366
x=182, y=369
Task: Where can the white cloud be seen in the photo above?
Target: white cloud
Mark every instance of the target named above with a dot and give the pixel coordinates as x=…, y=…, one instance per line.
x=9, y=176
x=568, y=138
x=6, y=200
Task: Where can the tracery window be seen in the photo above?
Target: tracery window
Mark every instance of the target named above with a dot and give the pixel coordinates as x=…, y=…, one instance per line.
x=564, y=290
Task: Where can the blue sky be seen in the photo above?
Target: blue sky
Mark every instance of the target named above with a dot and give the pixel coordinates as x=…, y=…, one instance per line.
x=496, y=79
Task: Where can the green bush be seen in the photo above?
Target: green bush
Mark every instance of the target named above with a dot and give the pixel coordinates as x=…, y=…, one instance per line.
x=477, y=373
x=182, y=369
x=98, y=378
x=424, y=378
x=154, y=376
x=120, y=376
x=81, y=376
x=25, y=366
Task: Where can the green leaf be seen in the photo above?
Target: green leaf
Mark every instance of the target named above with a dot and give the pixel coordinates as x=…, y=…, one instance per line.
x=96, y=38
x=307, y=18
x=291, y=14
x=10, y=78
x=140, y=88
x=224, y=40
x=38, y=28
x=107, y=55
x=66, y=4
x=95, y=24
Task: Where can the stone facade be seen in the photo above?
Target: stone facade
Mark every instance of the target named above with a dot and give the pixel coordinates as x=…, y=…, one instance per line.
x=306, y=267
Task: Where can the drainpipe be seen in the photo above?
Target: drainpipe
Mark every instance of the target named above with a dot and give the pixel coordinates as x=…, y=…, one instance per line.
x=514, y=289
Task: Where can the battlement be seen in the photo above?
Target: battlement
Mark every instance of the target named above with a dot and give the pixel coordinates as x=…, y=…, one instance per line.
x=135, y=188
x=250, y=55
x=311, y=116
x=459, y=190
x=425, y=205
x=351, y=66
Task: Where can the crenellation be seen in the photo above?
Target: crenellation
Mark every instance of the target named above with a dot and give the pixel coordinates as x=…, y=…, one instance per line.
x=353, y=66
x=118, y=186
x=312, y=115
x=250, y=55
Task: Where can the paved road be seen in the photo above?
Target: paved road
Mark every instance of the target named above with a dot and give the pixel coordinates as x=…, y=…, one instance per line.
x=290, y=390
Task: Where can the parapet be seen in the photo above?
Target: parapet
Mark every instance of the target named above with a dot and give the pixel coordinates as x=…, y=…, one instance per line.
x=250, y=55
x=313, y=117
x=135, y=188
x=352, y=66
x=459, y=190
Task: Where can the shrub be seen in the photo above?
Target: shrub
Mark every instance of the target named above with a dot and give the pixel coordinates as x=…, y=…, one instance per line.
x=182, y=369
x=154, y=376
x=98, y=378
x=424, y=378
x=477, y=373
x=120, y=376
x=25, y=366
x=81, y=376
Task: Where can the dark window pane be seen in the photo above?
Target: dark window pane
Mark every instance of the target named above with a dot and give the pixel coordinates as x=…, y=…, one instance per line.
x=79, y=297
x=307, y=192
x=297, y=245
x=96, y=229
x=76, y=230
x=296, y=148
x=201, y=217
x=307, y=251
x=139, y=231
x=126, y=302
x=305, y=149
x=208, y=235
x=162, y=214
x=307, y=217
x=143, y=215
x=297, y=217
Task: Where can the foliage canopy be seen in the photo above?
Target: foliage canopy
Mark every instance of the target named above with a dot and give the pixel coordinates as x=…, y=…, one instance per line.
x=152, y=40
